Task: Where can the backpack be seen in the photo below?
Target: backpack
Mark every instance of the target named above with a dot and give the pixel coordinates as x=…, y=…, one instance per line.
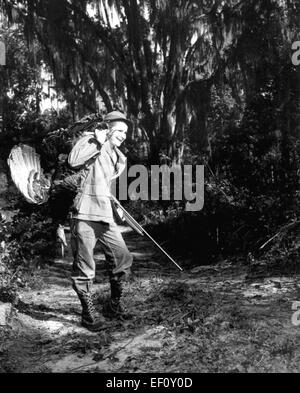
x=45, y=175
x=67, y=181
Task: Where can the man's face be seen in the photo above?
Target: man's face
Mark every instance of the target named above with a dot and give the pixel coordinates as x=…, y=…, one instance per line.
x=118, y=133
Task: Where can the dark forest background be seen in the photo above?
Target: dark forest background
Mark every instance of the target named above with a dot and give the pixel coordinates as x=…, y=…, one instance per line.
x=204, y=82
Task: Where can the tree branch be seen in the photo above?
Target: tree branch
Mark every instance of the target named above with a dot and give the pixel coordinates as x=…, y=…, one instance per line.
x=106, y=38
x=102, y=92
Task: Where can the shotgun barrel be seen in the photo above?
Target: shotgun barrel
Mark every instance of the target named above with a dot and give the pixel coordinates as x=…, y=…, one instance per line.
x=141, y=231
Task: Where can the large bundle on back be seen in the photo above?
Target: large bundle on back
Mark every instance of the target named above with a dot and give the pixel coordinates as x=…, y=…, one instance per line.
x=61, y=184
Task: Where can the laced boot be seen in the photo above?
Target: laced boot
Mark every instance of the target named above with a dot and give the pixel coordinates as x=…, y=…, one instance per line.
x=114, y=308
x=90, y=318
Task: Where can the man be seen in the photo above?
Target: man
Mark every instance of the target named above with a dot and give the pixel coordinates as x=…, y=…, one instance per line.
x=93, y=218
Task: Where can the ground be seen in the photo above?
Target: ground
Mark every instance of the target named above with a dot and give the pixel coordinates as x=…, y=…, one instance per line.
x=206, y=319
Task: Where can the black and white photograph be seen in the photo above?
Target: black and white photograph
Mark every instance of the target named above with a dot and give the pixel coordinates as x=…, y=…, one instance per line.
x=149, y=189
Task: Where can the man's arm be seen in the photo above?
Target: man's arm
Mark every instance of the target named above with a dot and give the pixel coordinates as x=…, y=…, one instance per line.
x=86, y=148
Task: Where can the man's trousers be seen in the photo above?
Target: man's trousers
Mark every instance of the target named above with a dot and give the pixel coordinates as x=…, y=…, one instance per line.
x=84, y=236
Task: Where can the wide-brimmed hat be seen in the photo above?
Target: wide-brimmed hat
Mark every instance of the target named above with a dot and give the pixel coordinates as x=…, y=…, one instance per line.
x=116, y=116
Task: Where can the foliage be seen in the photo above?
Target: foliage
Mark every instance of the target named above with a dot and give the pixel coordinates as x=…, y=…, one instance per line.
x=159, y=60
x=207, y=82
x=20, y=90
x=279, y=255
x=27, y=241
x=21, y=94
x=241, y=210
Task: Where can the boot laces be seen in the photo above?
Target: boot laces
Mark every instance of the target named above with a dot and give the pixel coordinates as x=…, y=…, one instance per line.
x=89, y=303
x=117, y=306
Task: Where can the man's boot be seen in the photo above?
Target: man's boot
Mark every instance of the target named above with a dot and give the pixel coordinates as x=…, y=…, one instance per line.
x=114, y=308
x=90, y=318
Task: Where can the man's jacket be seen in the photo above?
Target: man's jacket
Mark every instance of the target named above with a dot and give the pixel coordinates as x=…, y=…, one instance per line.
x=93, y=200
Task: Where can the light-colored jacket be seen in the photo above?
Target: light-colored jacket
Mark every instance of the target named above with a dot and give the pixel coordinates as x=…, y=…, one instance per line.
x=93, y=200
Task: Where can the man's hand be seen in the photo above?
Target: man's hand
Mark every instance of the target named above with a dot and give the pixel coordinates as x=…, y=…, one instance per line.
x=100, y=135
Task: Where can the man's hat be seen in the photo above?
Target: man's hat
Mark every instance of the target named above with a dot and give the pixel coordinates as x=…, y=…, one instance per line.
x=116, y=116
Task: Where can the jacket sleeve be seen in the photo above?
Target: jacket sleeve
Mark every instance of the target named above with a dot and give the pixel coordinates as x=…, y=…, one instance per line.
x=85, y=148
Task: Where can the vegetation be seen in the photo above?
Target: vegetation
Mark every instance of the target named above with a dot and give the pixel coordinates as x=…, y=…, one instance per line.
x=159, y=60
x=205, y=82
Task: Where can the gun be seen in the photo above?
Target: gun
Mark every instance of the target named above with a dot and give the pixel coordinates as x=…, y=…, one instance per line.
x=140, y=230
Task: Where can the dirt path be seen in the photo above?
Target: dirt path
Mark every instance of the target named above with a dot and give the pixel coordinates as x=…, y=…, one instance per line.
x=208, y=319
